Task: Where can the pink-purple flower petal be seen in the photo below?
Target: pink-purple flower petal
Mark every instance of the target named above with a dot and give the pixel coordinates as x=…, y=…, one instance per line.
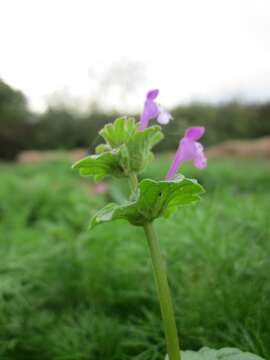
x=164, y=117
x=195, y=133
x=152, y=94
x=152, y=110
x=189, y=149
x=200, y=160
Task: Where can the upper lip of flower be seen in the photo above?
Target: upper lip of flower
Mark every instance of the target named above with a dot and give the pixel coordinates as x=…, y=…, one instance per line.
x=153, y=110
x=152, y=94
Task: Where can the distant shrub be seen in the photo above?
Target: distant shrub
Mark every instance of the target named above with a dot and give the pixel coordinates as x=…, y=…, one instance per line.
x=14, y=117
x=60, y=127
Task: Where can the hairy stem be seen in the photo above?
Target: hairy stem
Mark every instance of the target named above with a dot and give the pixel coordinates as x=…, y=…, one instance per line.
x=133, y=181
x=163, y=293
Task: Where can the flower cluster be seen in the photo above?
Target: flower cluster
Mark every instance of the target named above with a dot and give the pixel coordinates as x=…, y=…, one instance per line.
x=189, y=148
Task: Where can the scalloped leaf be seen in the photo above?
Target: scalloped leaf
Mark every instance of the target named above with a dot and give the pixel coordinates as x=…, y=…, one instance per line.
x=127, y=150
x=222, y=354
x=154, y=199
x=135, y=145
x=139, y=147
x=118, y=133
x=101, y=165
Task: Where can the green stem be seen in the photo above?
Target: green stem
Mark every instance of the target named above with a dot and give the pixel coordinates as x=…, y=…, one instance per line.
x=133, y=181
x=162, y=285
x=163, y=293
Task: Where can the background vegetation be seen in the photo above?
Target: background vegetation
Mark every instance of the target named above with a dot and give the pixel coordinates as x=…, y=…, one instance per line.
x=70, y=294
x=61, y=127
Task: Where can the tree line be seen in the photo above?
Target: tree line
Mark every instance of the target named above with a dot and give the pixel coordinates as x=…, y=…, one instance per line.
x=62, y=128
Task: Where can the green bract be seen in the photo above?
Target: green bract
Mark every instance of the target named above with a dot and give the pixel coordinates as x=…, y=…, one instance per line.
x=153, y=199
x=126, y=150
x=119, y=132
x=221, y=354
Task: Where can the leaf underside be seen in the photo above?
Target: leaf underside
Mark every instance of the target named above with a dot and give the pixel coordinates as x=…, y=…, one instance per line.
x=154, y=199
x=100, y=166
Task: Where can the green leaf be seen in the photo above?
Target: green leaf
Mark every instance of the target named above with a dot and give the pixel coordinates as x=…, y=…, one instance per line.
x=135, y=146
x=139, y=147
x=119, y=132
x=102, y=148
x=222, y=354
x=127, y=150
x=154, y=199
x=101, y=165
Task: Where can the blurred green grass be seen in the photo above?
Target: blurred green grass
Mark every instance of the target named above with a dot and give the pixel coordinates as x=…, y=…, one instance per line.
x=70, y=294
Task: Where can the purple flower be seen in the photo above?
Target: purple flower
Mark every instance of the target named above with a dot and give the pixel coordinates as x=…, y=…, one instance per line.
x=189, y=149
x=152, y=110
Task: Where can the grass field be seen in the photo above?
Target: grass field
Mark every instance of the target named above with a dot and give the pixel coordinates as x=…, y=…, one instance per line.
x=70, y=294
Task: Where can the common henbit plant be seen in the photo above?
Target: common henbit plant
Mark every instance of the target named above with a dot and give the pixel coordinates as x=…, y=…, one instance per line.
x=126, y=151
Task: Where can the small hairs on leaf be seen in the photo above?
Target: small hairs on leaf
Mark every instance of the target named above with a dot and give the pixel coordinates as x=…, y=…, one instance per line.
x=101, y=165
x=154, y=199
x=126, y=150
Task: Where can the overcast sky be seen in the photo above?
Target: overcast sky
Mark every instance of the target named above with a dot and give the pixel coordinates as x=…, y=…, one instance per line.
x=117, y=49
